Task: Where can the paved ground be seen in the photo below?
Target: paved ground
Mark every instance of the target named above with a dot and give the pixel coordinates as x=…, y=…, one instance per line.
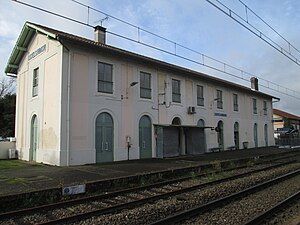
x=18, y=176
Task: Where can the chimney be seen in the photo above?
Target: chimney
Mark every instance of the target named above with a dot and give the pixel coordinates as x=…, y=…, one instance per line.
x=254, y=83
x=100, y=34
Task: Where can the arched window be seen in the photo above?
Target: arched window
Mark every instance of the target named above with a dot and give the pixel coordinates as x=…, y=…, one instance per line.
x=33, y=138
x=255, y=135
x=201, y=123
x=236, y=135
x=176, y=121
x=145, y=137
x=104, y=138
x=221, y=134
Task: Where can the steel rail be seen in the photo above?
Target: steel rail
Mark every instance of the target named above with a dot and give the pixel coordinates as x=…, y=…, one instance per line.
x=135, y=203
x=25, y=211
x=278, y=207
x=20, y=212
x=178, y=217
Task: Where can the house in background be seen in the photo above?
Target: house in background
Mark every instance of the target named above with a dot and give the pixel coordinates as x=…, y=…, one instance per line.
x=82, y=101
x=285, y=122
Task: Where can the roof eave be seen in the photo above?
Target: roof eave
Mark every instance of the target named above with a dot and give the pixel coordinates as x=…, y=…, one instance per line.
x=20, y=47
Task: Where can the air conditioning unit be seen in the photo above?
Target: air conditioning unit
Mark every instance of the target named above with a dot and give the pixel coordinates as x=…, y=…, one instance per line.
x=12, y=153
x=191, y=110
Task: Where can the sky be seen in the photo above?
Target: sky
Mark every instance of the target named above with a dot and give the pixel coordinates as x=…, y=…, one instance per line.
x=192, y=23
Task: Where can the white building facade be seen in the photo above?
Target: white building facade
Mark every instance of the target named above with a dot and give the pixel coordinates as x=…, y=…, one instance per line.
x=81, y=101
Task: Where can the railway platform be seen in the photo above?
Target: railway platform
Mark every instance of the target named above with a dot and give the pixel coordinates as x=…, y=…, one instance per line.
x=19, y=177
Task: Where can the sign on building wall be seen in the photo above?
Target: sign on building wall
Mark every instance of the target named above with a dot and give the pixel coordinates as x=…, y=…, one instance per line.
x=221, y=114
x=37, y=52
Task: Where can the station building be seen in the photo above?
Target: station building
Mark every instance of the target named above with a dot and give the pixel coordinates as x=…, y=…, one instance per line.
x=82, y=101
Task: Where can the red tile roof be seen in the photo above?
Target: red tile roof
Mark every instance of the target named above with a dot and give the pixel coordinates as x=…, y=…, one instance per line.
x=285, y=114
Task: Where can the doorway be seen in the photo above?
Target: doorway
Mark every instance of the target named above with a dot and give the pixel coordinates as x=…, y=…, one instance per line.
x=33, y=138
x=220, y=134
x=104, y=138
x=255, y=135
x=145, y=137
x=236, y=136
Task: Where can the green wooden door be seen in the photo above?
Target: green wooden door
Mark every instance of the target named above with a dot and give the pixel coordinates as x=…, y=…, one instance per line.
x=221, y=135
x=104, y=139
x=33, y=138
x=236, y=136
x=266, y=134
x=202, y=139
x=145, y=137
x=255, y=135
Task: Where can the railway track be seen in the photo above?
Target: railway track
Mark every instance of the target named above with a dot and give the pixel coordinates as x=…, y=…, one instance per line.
x=116, y=201
x=186, y=217
x=265, y=216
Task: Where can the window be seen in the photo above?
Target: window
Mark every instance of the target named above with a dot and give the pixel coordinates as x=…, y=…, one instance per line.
x=35, y=82
x=176, y=96
x=265, y=108
x=145, y=85
x=219, y=99
x=105, y=83
x=254, y=106
x=235, y=102
x=200, y=98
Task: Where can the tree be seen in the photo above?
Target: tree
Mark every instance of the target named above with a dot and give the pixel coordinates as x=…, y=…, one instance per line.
x=7, y=107
x=7, y=86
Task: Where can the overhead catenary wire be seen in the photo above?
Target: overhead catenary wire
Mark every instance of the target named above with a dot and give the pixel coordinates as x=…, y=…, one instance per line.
x=272, y=28
x=202, y=63
x=244, y=22
x=182, y=46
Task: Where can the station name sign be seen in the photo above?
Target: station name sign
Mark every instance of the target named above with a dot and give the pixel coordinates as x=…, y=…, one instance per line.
x=221, y=114
x=37, y=52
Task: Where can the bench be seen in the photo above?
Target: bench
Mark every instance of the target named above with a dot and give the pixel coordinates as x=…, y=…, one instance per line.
x=215, y=149
x=231, y=148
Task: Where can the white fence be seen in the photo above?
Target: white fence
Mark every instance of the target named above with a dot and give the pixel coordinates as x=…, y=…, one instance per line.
x=4, y=146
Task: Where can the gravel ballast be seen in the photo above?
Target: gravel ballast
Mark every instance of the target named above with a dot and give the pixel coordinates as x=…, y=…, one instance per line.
x=290, y=215
x=148, y=213
x=240, y=211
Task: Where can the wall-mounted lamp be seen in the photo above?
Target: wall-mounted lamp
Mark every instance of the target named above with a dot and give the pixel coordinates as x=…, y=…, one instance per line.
x=130, y=85
x=133, y=83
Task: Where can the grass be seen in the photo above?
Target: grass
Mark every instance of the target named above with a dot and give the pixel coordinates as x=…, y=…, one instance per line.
x=11, y=164
x=15, y=164
x=17, y=180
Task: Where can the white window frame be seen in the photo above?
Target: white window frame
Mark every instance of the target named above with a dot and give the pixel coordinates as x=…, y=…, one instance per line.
x=254, y=105
x=179, y=93
x=219, y=99
x=200, y=97
x=147, y=88
x=112, y=79
x=35, y=82
x=235, y=103
x=265, y=107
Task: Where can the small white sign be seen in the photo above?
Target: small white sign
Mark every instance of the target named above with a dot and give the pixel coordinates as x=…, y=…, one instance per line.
x=37, y=52
x=74, y=190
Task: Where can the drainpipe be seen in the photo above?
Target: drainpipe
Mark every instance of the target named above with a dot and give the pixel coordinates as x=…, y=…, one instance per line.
x=68, y=108
x=68, y=99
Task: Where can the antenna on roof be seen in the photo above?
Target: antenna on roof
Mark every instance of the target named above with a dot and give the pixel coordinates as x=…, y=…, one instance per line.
x=102, y=20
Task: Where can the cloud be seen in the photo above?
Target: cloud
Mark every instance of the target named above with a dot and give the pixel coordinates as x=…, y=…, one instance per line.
x=197, y=25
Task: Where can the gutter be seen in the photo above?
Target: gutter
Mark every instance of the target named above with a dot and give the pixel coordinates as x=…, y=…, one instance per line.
x=68, y=101
x=68, y=108
x=11, y=75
